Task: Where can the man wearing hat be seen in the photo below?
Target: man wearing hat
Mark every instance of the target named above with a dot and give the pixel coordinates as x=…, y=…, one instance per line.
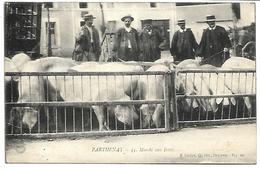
x=87, y=47
x=126, y=44
x=184, y=44
x=215, y=43
x=151, y=43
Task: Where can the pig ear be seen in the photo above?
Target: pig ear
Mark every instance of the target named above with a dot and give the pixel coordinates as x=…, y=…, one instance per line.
x=195, y=104
x=144, y=109
x=233, y=100
x=248, y=103
x=188, y=102
x=219, y=100
x=122, y=116
x=15, y=78
x=226, y=102
x=213, y=105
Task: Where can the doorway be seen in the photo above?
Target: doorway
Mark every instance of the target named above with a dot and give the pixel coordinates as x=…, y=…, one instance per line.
x=163, y=26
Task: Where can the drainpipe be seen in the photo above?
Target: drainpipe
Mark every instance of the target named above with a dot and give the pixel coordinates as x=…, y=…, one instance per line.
x=235, y=8
x=103, y=27
x=235, y=34
x=49, y=53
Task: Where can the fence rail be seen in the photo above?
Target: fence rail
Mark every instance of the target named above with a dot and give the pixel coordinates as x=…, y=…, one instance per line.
x=82, y=73
x=81, y=104
x=221, y=96
x=78, y=117
x=192, y=70
x=88, y=134
x=62, y=117
x=215, y=96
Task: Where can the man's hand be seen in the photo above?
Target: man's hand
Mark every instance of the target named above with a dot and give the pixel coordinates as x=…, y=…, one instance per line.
x=226, y=49
x=113, y=55
x=198, y=58
x=162, y=45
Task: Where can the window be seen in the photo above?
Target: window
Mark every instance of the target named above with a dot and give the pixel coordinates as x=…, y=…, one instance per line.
x=110, y=5
x=153, y=4
x=236, y=10
x=196, y=3
x=52, y=33
x=48, y=5
x=83, y=5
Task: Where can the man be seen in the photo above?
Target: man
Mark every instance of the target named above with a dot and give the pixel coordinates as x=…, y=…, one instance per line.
x=214, y=45
x=87, y=47
x=126, y=44
x=184, y=44
x=151, y=43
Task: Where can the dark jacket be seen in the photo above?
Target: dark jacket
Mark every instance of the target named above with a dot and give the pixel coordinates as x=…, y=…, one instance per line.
x=212, y=44
x=120, y=46
x=183, y=45
x=83, y=42
x=150, y=46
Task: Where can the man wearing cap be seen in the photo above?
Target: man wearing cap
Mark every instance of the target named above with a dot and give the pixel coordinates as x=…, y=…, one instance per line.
x=126, y=44
x=215, y=43
x=151, y=43
x=184, y=44
x=87, y=47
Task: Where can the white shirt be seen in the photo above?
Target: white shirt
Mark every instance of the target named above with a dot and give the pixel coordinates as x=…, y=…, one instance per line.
x=91, y=33
x=128, y=29
x=150, y=32
x=212, y=28
x=181, y=30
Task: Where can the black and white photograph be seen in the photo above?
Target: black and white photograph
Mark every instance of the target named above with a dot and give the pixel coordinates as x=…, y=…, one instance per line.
x=129, y=82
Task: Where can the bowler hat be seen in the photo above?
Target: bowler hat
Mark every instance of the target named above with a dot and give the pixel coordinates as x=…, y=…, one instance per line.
x=210, y=18
x=180, y=21
x=127, y=16
x=147, y=22
x=88, y=16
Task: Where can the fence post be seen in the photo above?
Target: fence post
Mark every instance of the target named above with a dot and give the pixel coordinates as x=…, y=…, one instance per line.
x=174, y=109
x=167, y=101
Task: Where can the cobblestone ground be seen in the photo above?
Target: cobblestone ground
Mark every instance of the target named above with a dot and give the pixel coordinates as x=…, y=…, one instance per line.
x=217, y=144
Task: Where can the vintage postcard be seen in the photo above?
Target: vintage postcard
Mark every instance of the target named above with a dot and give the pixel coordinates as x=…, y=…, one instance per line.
x=130, y=82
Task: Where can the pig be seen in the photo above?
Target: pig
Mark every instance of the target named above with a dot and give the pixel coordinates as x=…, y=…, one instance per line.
x=240, y=83
x=9, y=67
x=102, y=88
x=31, y=88
x=216, y=85
x=11, y=88
x=193, y=84
x=152, y=87
x=20, y=59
